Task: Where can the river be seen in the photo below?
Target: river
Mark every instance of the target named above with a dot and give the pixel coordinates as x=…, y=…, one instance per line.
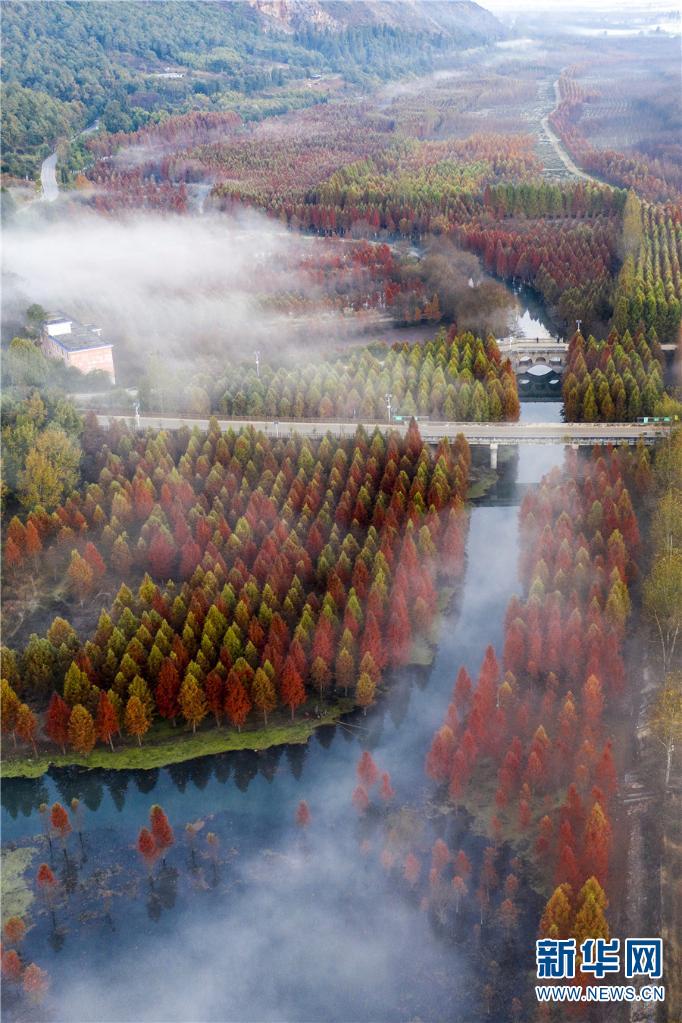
x=288, y=926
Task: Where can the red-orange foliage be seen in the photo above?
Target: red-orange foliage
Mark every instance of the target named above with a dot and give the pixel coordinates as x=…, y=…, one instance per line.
x=606, y=771
x=524, y=813
x=597, y=844
x=412, y=869
x=459, y=887
x=213, y=691
x=161, y=555
x=35, y=983
x=360, y=799
x=94, y=560
x=59, y=820
x=440, y=756
x=161, y=829
x=45, y=876
x=106, y=721
x=292, y=689
x=168, y=690
x=237, y=702
x=367, y=770
x=399, y=632
x=14, y=930
x=303, y=816
x=544, y=839
x=440, y=855
x=146, y=846
x=567, y=869
x=593, y=700
x=386, y=792
x=33, y=542
x=11, y=966
x=13, y=557
x=462, y=864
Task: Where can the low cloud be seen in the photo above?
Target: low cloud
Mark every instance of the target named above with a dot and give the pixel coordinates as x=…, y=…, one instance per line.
x=181, y=287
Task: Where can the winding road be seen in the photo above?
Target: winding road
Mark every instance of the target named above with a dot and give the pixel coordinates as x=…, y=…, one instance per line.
x=48, y=168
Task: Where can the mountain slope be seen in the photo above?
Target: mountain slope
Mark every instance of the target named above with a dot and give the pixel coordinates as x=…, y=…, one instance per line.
x=449, y=17
x=128, y=63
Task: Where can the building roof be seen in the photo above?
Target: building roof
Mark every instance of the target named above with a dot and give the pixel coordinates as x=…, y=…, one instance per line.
x=81, y=337
x=57, y=318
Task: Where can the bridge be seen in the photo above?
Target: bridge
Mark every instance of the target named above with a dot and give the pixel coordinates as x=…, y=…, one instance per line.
x=524, y=352
x=490, y=435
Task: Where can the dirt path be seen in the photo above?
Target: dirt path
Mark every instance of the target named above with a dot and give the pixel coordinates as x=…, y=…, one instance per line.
x=557, y=145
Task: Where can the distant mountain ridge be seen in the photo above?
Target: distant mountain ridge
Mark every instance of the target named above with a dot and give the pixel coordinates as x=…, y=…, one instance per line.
x=447, y=17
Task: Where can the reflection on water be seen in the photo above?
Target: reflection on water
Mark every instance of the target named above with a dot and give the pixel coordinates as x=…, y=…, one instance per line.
x=529, y=319
x=279, y=925
x=540, y=412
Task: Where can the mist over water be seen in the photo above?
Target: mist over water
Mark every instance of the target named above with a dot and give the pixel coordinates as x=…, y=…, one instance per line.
x=299, y=926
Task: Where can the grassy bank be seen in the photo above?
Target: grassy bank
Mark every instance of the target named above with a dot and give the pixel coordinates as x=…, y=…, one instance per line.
x=482, y=480
x=167, y=745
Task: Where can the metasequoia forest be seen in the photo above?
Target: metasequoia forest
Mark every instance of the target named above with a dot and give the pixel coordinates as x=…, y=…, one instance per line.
x=458, y=377
x=341, y=512
x=269, y=575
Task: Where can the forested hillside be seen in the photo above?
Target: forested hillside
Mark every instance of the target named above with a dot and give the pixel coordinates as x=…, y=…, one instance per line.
x=131, y=63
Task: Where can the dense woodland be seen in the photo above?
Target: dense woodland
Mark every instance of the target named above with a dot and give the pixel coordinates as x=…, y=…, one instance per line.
x=385, y=172
x=485, y=193
x=455, y=377
x=616, y=380
x=267, y=572
x=652, y=169
x=175, y=583
x=649, y=286
x=534, y=731
x=113, y=62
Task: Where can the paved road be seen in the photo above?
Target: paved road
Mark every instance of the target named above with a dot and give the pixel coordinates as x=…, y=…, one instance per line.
x=476, y=433
x=48, y=178
x=48, y=168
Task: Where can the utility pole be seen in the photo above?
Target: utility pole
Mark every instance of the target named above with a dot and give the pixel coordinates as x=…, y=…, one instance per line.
x=257, y=354
x=389, y=398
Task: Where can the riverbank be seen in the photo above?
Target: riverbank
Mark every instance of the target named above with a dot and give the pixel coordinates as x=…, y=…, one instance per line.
x=166, y=745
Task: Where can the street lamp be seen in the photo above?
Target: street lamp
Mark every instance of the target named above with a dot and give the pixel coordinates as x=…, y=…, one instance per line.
x=578, y=323
x=257, y=354
x=389, y=397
